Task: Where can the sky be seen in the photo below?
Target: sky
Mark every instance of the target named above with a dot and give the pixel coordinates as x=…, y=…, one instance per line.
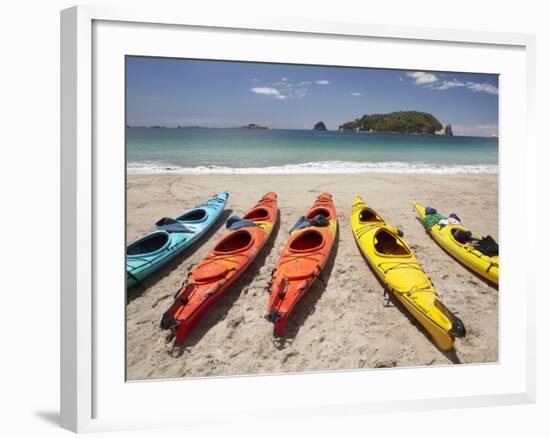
x=171, y=92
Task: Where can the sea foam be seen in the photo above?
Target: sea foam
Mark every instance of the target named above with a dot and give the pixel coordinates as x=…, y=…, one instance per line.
x=321, y=167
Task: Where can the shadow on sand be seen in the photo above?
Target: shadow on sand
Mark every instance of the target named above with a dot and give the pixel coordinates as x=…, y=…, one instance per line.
x=137, y=290
x=307, y=304
x=221, y=306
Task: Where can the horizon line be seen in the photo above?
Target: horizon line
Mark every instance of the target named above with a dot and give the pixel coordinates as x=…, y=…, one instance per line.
x=296, y=129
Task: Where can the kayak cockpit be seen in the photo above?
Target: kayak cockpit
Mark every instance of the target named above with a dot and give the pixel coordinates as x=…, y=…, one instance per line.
x=309, y=241
x=148, y=244
x=197, y=215
x=387, y=243
x=368, y=215
x=257, y=214
x=319, y=212
x=234, y=243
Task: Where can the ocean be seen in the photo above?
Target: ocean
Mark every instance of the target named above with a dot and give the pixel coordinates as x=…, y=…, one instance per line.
x=199, y=151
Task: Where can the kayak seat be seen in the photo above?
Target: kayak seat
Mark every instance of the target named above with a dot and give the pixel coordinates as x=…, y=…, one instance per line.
x=367, y=215
x=318, y=212
x=386, y=243
x=165, y=221
x=462, y=236
x=193, y=216
x=257, y=214
x=235, y=242
x=310, y=240
x=151, y=243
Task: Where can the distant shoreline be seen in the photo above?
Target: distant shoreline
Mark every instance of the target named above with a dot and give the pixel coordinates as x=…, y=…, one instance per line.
x=245, y=128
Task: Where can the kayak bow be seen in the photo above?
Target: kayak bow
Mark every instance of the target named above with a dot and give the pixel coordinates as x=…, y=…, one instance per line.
x=464, y=252
x=147, y=254
x=226, y=262
x=302, y=260
x=395, y=264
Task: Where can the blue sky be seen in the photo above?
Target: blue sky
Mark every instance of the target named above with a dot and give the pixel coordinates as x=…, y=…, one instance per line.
x=173, y=92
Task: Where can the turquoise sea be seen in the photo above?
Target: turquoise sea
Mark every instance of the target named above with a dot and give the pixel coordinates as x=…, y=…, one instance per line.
x=278, y=151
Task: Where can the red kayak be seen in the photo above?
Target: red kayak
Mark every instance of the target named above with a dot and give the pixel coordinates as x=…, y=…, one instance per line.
x=229, y=259
x=302, y=260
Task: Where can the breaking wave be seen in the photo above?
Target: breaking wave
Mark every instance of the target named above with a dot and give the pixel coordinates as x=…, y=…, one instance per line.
x=321, y=167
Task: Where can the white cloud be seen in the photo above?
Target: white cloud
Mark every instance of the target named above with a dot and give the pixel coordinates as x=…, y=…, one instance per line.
x=283, y=84
x=298, y=92
x=422, y=78
x=354, y=94
x=322, y=82
x=283, y=89
x=430, y=80
x=255, y=80
x=476, y=87
x=268, y=91
x=445, y=85
x=264, y=90
x=482, y=87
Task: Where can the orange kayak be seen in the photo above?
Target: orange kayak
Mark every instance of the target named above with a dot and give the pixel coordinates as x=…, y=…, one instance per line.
x=302, y=260
x=231, y=256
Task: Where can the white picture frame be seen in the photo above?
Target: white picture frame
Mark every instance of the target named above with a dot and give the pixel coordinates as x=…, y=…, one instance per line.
x=94, y=397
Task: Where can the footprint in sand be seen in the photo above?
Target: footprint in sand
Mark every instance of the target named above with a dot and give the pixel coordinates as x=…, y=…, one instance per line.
x=232, y=325
x=289, y=355
x=159, y=300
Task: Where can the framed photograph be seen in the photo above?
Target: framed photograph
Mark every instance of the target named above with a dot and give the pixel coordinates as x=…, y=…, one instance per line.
x=294, y=216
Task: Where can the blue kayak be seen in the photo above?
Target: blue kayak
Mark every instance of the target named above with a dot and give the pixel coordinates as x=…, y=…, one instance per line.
x=171, y=237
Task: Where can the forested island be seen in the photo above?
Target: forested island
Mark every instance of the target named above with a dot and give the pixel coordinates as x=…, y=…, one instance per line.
x=400, y=122
x=255, y=126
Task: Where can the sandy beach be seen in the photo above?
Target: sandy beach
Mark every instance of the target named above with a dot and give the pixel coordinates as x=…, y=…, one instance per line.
x=345, y=325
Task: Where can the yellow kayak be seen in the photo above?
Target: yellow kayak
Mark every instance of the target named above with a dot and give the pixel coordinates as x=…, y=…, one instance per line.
x=397, y=267
x=464, y=252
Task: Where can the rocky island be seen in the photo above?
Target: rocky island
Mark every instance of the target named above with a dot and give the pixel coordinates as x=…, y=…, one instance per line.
x=255, y=126
x=400, y=122
x=320, y=126
x=448, y=130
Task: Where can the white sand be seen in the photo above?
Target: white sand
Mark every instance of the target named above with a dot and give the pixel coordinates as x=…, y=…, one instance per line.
x=343, y=326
